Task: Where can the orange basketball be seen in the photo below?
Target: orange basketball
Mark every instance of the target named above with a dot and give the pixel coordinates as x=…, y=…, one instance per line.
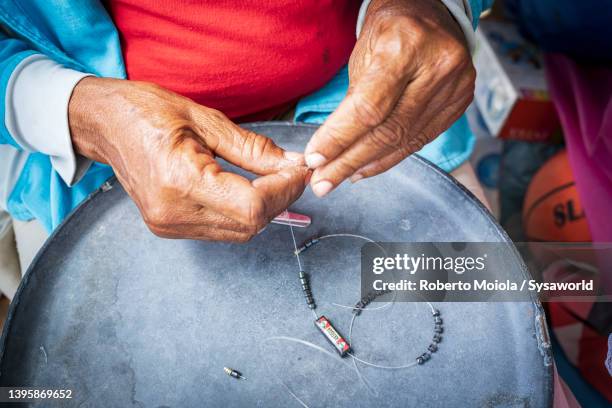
x=552, y=210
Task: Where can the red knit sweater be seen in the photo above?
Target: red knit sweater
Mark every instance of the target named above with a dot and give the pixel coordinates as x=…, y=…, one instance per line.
x=249, y=59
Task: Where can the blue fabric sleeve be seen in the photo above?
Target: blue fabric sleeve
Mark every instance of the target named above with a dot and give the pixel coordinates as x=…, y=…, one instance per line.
x=12, y=52
x=79, y=35
x=42, y=194
x=447, y=151
x=477, y=7
x=39, y=191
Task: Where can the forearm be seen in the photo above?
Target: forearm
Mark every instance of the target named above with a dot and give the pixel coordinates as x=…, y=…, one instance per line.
x=459, y=9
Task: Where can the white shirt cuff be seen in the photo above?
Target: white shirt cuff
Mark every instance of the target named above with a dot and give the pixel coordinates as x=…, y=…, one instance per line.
x=459, y=9
x=462, y=12
x=361, y=16
x=36, y=114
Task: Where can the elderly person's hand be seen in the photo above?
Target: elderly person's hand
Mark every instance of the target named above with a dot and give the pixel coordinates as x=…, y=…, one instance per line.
x=411, y=77
x=162, y=148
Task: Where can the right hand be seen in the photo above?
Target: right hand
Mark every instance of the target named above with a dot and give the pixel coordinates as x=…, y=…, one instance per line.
x=162, y=148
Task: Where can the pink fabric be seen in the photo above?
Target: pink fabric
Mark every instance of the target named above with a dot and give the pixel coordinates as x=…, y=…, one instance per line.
x=563, y=397
x=583, y=97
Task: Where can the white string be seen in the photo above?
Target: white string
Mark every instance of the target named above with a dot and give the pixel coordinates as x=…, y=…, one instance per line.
x=362, y=378
x=412, y=364
x=298, y=399
x=371, y=309
x=382, y=366
x=318, y=348
x=297, y=254
x=352, y=323
x=367, y=362
x=295, y=246
x=344, y=234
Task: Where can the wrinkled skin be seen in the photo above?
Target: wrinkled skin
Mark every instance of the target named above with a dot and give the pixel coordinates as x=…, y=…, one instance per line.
x=411, y=77
x=162, y=148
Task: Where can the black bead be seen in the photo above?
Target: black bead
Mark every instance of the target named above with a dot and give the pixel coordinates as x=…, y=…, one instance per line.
x=426, y=356
x=436, y=312
x=420, y=360
x=433, y=347
x=438, y=329
x=312, y=305
x=437, y=338
x=438, y=320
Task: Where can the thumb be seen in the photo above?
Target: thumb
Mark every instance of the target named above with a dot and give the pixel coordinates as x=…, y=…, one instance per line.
x=246, y=149
x=281, y=189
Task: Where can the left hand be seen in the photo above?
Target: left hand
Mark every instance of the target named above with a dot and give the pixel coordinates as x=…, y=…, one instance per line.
x=411, y=77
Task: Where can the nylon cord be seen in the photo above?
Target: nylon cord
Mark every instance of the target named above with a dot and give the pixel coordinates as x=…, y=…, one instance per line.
x=351, y=325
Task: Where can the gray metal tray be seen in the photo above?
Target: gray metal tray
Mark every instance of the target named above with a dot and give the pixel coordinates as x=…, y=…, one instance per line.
x=124, y=318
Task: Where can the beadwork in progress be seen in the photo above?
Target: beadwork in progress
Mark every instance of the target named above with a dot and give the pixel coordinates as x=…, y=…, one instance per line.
x=325, y=325
x=341, y=344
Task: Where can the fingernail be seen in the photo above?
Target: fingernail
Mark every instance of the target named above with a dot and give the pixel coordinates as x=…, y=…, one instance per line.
x=294, y=157
x=356, y=177
x=322, y=188
x=314, y=160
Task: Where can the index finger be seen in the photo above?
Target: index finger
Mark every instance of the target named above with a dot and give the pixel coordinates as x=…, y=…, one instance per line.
x=366, y=106
x=244, y=148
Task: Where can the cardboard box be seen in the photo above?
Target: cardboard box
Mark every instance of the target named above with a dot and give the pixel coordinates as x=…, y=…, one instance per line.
x=511, y=90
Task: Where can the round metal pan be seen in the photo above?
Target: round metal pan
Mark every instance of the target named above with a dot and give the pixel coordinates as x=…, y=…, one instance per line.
x=123, y=318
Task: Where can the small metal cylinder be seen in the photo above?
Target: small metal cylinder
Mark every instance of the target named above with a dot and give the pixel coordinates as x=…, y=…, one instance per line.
x=233, y=373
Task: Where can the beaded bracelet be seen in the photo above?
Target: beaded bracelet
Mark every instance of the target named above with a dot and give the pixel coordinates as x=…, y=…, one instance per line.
x=341, y=345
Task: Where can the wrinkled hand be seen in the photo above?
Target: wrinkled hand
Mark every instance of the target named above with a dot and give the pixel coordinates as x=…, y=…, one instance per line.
x=411, y=77
x=162, y=148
